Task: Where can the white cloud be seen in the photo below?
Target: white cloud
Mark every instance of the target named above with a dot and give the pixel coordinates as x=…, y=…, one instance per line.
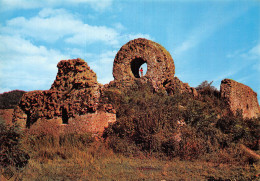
x=51, y=25
x=244, y=79
x=87, y=34
x=244, y=59
x=24, y=65
x=98, y=5
x=78, y=53
x=226, y=74
x=254, y=53
x=27, y=64
x=138, y=35
x=103, y=66
x=119, y=27
x=186, y=45
x=250, y=56
x=108, y=57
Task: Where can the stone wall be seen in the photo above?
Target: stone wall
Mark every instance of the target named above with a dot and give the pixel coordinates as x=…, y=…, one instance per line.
x=74, y=100
x=94, y=123
x=128, y=60
x=91, y=122
x=160, y=67
x=176, y=86
x=240, y=97
x=75, y=93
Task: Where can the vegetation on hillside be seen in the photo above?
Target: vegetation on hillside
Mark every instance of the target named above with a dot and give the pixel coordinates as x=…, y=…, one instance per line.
x=11, y=152
x=9, y=100
x=156, y=136
x=179, y=125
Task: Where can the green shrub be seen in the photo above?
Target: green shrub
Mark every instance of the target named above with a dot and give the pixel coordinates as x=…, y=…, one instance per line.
x=239, y=130
x=145, y=118
x=11, y=153
x=147, y=122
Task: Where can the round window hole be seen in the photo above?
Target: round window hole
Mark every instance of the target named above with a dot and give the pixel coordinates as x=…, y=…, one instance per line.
x=138, y=67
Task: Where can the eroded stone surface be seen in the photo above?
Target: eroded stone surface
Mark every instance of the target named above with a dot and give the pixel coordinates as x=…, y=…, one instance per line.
x=94, y=123
x=176, y=86
x=160, y=65
x=74, y=92
x=240, y=97
x=74, y=74
x=74, y=100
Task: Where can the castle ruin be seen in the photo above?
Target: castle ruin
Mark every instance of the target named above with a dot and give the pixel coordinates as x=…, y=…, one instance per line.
x=74, y=97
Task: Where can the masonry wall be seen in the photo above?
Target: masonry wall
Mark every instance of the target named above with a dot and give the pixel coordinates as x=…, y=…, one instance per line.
x=91, y=122
x=240, y=96
x=94, y=123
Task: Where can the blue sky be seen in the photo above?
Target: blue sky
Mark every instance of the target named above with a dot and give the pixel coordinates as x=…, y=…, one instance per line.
x=208, y=40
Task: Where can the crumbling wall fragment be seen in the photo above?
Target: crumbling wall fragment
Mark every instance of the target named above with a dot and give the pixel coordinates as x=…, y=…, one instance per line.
x=176, y=86
x=75, y=92
x=240, y=97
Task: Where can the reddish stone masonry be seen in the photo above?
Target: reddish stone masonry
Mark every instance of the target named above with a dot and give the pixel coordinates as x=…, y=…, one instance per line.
x=240, y=97
x=73, y=102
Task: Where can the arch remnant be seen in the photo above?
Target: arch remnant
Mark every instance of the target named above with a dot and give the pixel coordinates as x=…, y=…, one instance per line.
x=135, y=66
x=160, y=65
x=75, y=100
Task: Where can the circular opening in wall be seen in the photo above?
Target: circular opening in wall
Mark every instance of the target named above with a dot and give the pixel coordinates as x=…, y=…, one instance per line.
x=138, y=67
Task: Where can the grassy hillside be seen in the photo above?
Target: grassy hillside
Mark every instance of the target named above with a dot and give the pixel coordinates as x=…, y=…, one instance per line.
x=81, y=157
x=156, y=137
x=177, y=126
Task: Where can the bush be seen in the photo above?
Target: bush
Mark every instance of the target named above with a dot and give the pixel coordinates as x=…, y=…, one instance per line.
x=136, y=118
x=10, y=99
x=144, y=118
x=11, y=153
x=147, y=122
x=239, y=130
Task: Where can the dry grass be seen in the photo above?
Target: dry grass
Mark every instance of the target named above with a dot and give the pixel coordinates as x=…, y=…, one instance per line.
x=81, y=157
x=95, y=161
x=85, y=166
x=7, y=114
